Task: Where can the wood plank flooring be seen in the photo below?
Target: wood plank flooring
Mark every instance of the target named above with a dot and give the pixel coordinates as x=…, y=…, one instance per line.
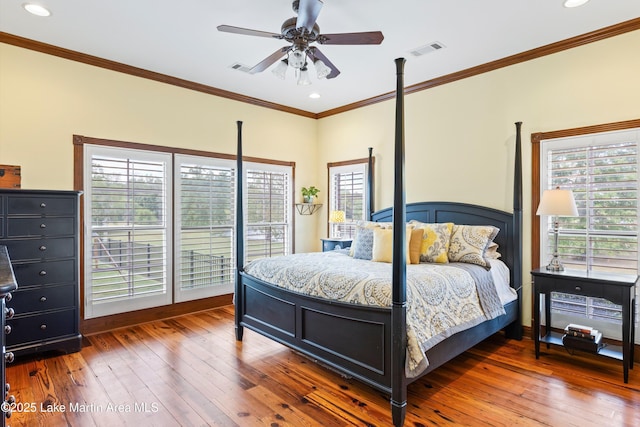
x=190, y=371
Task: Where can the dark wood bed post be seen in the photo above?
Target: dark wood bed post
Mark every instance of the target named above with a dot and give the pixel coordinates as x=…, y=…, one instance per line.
x=369, y=204
x=238, y=298
x=515, y=331
x=399, y=265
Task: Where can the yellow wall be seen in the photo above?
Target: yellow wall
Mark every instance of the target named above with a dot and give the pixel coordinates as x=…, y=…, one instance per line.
x=45, y=100
x=460, y=137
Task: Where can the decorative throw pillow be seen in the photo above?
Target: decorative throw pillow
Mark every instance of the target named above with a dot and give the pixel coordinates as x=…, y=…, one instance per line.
x=435, y=241
x=469, y=243
x=369, y=225
x=415, y=244
x=383, y=244
x=492, y=251
x=362, y=245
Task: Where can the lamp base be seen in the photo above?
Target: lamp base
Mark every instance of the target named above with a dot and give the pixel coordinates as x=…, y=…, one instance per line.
x=555, y=265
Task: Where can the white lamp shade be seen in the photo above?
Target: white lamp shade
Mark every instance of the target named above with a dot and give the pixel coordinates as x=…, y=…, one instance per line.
x=557, y=202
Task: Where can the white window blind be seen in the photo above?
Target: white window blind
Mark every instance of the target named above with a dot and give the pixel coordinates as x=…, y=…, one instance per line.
x=602, y=172
x=127, y=265
x=205, y=212
x=347, y=193
x=268, y=210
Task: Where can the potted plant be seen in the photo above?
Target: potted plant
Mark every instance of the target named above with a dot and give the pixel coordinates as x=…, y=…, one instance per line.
x=309, y=193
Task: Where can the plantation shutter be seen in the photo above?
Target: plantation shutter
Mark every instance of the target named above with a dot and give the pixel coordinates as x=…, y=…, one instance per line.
x=348, y=194
x=205, y=211
x=128, y=264
x=268, y=210
x=602, y=172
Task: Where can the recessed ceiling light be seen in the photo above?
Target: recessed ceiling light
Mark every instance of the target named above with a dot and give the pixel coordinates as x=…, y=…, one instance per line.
x=314, y=95
x=574, y=3
x=36, y=9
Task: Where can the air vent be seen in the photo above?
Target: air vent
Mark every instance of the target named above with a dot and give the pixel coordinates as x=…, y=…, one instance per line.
x=240, y=67
x=428, y=48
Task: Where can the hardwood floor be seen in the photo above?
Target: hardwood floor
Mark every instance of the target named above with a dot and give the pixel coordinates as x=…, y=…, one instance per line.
x=190, y=371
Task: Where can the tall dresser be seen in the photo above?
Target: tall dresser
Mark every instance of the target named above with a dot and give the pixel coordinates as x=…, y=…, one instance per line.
x=41, y=232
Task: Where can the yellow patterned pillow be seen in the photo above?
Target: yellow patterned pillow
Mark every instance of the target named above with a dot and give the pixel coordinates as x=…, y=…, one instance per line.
x=435, y=241
x=469, y=243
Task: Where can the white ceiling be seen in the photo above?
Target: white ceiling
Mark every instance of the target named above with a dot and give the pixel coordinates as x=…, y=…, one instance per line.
x=180, y=39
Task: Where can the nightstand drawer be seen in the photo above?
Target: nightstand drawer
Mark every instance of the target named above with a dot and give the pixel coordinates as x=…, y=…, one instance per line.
x=41, y=326
x=30, y=227
x=42, y=299
x=333, y=244
x=577, y=288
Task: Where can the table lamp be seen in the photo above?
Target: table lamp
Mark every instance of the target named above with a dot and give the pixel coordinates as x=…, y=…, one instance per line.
x=557, y=203
x=336, y=217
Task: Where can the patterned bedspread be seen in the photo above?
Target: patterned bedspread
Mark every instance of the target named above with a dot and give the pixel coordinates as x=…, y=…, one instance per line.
x=442, y=299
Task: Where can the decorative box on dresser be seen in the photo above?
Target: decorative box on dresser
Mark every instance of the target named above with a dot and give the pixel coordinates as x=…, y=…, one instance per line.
x=40, y=229
x=7, y=285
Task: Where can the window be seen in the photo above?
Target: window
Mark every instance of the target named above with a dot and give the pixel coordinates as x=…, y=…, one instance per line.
x=602, y=171
x=348, y=193
x=205, y=235
x=268, y=210
x=160, y=225
x=127, y=209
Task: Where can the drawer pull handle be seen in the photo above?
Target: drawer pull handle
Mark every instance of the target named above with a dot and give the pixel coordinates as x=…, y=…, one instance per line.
x=9, y=357
x=578, y=288
x=43, y=226
x=7, y=387
x=43, y=205
x=11, y=399
x=9, y=313
x=43, y=299
x=8, y=297
x=7, y=329
x=43, y=248
x=43, y=327
x=43, y=272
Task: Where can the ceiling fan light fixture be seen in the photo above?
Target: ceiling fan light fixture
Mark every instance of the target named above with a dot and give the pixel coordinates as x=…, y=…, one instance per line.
x=321, y=68
x=303, y=77
x=281, y=69
x=297, y=58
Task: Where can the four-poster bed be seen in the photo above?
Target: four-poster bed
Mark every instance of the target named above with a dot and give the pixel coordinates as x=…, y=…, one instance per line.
x=369, y=343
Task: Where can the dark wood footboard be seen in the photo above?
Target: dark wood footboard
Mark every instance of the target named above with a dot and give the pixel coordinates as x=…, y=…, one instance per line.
x=352, y=339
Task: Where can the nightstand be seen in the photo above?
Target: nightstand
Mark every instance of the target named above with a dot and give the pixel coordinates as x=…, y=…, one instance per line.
x=617, y=288
x=335, y=243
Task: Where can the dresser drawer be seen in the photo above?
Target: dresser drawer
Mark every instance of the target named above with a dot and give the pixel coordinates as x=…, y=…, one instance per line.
x=58, y=247
x=40, y=205
x=30, y=227
x=42, y=298
x=45, y=273
x=40, y=327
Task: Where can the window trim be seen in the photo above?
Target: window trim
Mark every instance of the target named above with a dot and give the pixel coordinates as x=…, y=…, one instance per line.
x=536, y=139
x=367, y=181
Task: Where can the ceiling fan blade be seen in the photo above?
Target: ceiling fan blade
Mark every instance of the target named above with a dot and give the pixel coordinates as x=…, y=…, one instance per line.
x=248, y=32
x=370, y=37
x=268, y=61
x=315, y=53
x=308, y=11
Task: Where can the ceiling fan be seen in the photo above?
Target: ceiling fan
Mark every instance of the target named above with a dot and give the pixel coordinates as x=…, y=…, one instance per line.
x=300, y=32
